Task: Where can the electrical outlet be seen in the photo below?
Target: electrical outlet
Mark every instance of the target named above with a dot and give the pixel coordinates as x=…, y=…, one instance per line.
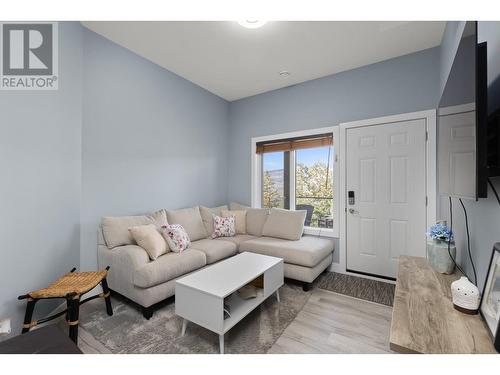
x=5, y=327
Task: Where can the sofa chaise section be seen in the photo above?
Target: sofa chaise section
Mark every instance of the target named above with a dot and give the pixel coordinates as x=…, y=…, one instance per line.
x=304, y=259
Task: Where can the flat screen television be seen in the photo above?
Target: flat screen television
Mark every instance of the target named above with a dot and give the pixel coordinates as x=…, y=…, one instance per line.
x=462, y=123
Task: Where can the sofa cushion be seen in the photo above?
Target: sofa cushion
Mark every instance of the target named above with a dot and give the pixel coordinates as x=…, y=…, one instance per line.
x=167, y=267
x=208, y=219
x=190, y=219
x=240, y=218
x=284, y=224
x=215, y=250
x=238, y=239
x=256, y=218
x=149, y=238
x=115, y=229
x=237, y=206
x=307, y=252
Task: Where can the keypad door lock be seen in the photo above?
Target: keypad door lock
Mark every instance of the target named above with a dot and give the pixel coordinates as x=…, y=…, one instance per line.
x=350, y=196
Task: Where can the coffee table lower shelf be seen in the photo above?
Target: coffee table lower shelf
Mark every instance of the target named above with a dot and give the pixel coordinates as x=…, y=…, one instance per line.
x=239, y=309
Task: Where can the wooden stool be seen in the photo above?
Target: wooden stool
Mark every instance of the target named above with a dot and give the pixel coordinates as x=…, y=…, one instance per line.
x=71, y=286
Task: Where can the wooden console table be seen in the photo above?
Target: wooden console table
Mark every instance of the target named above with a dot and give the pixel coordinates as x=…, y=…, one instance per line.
x=423, y=317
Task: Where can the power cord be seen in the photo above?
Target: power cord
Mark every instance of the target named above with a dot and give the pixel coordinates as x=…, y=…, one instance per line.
x=449, y=240
x=494, y=190
x=468, y=241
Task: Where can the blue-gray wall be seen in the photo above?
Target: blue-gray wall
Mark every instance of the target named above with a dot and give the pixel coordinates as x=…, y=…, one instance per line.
x=404, y=84
x=151, y=140
x=483, y=215
x=40, y=164
x=448, y=49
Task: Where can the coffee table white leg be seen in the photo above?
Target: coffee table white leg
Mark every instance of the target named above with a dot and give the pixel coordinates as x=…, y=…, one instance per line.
x=221, y=343
x=184, y=325
x=278, y=295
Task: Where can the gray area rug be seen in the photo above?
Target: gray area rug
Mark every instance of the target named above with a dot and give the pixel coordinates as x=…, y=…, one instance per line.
x=128, y=332
x=358, y=287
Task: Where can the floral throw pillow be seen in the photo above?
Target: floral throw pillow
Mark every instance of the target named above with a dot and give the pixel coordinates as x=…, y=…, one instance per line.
x=176, y=237
x=224, y=226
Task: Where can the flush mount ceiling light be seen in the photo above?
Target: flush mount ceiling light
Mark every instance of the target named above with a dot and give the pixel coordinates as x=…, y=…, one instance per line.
x=252, y=23
x=284, y=73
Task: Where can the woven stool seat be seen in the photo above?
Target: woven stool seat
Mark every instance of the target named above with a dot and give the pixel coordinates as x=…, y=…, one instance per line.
x=73, y=282
x=71, y=287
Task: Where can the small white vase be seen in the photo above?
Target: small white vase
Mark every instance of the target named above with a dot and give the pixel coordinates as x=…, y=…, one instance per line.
x=439, y=258
x=465, y=296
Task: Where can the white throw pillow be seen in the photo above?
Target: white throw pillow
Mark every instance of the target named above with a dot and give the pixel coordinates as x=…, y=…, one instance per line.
x=285, y=224
x=223, y=226
x=149, y=238
x=240, y=218
x=176, y=237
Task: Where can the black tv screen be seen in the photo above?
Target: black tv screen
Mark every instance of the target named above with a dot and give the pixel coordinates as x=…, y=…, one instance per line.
x=462, y=122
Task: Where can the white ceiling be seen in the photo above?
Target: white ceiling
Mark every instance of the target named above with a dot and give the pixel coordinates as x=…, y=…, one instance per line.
x=233, y=62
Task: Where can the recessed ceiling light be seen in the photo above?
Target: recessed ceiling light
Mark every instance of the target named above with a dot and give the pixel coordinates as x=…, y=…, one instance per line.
x=252, y=23
x=284, y=73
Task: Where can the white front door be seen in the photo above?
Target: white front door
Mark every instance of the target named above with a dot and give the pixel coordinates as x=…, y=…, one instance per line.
x=386, y=173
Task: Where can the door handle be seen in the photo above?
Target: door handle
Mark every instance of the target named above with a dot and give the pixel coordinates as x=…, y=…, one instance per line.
x=353, y=211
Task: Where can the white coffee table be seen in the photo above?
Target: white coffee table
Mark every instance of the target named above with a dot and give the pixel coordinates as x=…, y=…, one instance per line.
x=199, y=297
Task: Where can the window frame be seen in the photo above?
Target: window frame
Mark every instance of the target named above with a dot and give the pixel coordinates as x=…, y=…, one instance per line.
x=257, y=169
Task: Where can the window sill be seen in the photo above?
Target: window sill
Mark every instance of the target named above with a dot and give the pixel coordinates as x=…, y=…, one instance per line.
x=322, y=232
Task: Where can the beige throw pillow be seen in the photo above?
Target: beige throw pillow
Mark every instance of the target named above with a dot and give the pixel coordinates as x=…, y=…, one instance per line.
x=285, y=224
x=207, y=215
x=240, y=217
x=115, y=229
x=256, y=218
x=149, y=238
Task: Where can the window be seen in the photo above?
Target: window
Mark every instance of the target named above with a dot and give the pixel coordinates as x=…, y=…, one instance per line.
x=273, y=180
x=314, y=185
x=298, y=173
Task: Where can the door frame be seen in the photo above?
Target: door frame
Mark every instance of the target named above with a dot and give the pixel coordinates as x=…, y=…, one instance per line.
x=431, y=178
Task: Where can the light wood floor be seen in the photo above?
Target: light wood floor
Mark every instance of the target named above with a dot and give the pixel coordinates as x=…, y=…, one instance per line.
x=328, y=323
x=334, y=323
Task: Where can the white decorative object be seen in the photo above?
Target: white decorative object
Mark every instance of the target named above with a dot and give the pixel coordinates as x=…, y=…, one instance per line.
x=5, y=327
x=465, y=296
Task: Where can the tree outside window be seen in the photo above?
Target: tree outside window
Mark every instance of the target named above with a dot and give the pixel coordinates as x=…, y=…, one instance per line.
x=313, y=183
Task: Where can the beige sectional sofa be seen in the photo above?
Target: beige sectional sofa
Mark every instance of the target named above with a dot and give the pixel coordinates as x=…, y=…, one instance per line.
x=134, y=275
